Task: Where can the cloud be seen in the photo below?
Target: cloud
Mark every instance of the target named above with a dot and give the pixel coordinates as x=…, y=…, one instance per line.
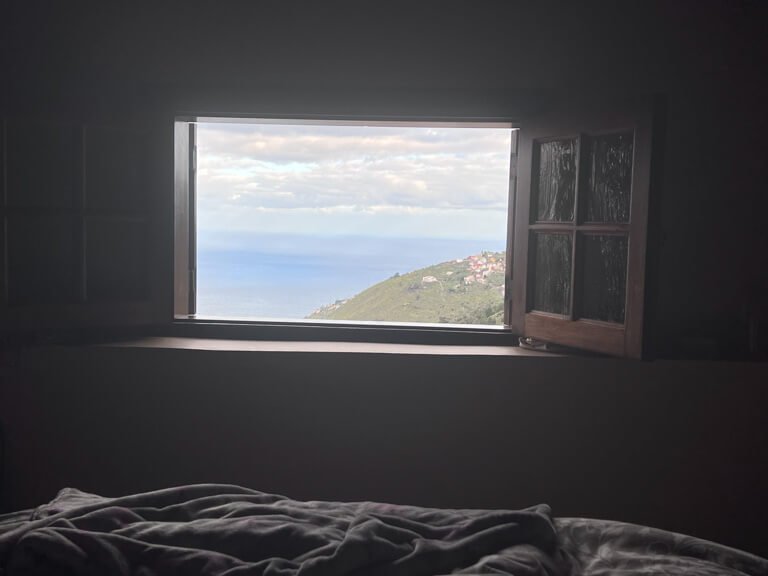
x=252, y=168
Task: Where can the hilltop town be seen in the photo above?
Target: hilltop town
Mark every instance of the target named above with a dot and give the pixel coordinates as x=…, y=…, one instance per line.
x=483, y=265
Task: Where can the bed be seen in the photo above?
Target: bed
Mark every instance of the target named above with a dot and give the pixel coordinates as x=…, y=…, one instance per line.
x=213, y=529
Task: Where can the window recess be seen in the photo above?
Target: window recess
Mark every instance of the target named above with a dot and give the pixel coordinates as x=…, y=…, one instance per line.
x=576, y=230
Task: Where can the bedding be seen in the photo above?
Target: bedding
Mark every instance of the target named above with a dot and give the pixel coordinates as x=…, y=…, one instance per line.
x=222, y=530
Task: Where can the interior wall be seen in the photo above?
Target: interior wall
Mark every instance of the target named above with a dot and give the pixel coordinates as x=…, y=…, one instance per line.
x=674, y=445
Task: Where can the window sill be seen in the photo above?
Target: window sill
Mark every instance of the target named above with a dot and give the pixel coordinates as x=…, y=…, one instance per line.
x=216, y=344
x=339, y=332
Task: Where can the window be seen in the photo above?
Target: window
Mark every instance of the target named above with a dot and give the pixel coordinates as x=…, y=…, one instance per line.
x=348, y=221
x=560, y=223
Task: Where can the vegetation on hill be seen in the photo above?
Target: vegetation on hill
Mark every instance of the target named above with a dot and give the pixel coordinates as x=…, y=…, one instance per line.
x=465, y=291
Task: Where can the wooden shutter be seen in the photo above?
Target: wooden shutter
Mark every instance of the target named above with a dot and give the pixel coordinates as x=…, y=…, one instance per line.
x=580, y=229
x=77, y=226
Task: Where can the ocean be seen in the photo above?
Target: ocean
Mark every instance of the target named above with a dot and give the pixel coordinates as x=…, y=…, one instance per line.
x=290, y=276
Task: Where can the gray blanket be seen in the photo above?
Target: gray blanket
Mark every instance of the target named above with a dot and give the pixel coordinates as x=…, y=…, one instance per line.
x=228, y=530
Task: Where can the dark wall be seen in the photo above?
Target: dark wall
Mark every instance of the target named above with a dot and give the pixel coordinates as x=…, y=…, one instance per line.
x=668, y=444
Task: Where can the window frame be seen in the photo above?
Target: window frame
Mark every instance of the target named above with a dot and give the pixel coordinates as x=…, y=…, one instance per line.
x=185, y=321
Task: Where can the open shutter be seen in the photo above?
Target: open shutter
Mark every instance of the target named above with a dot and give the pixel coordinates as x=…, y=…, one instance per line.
x=579, y=245
x=76, y=226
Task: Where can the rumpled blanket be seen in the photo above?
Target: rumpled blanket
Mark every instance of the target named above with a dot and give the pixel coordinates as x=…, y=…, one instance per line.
x=228, y=530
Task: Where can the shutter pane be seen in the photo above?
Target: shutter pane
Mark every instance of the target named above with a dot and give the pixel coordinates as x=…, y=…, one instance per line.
x=42, y=164
x=555, y=180
x=117, y=257
x=551, y=282
x=117, y=165
x=41, y=259
x=604, y=277
x=609, y=178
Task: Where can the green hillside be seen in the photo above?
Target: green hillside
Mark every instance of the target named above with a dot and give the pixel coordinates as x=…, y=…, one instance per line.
x=465, y=291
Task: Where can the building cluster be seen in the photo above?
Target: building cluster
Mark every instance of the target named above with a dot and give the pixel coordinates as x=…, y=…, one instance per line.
x=481, y=266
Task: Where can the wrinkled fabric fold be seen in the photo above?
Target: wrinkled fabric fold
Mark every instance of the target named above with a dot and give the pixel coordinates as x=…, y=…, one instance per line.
x=223, y=530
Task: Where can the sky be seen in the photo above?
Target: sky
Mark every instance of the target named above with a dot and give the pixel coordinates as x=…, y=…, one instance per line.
x=375, y=181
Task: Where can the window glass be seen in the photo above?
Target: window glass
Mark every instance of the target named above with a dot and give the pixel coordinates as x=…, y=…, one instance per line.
x=386, y=223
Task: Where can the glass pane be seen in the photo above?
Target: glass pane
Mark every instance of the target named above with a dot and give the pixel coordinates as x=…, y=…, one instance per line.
x=41, y=259
x=384, y=223
x=551, y=273
x=556, y=180
x=117, y=255
x=610, y=178
x=42, y=164
x=116, y=165
x=604, y=279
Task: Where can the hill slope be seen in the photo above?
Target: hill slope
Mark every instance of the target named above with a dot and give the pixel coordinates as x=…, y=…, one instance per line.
x=466, y=291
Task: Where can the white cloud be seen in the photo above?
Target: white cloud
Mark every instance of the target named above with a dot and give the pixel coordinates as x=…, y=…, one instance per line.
x=292, y=172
